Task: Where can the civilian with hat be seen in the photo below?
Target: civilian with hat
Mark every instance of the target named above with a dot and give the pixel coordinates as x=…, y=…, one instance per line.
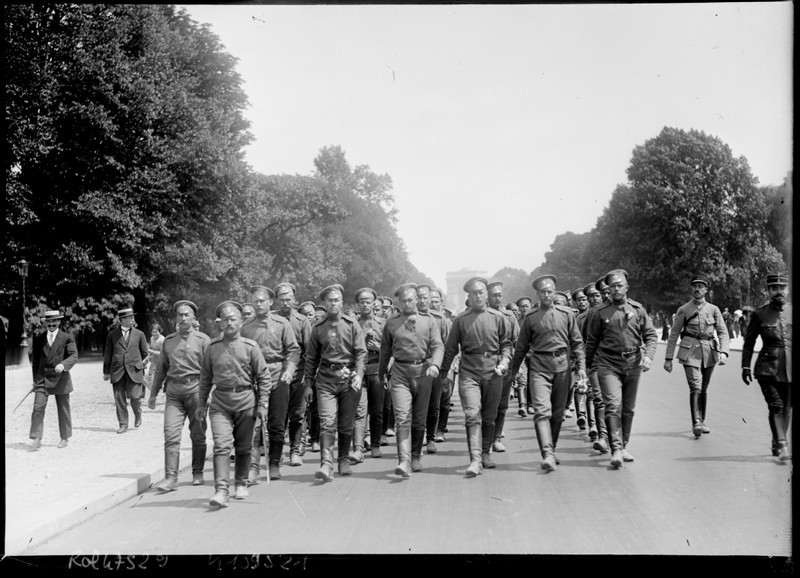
x=235, y=367
x=178, y=369
x=424, y=292
x=296, y=408
x=600, y=437
x=495, y=290
x=698, y=352
x=124, y=359
x=276, y=338
x=372, y=392
x=413, y=342
x=551, y=333
x=54, y=354
x=773, y=369
x=480, y=334
x=335, y=363
x=622, y=340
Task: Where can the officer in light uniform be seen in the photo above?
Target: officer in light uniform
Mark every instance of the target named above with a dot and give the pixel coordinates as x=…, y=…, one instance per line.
x=178, y=369
x=275, y=337
x=773, y=369
x=551, y=334
x=236, y=369
x=622, y=340
x=335, y=363
x=480, y=334
x=698, y=352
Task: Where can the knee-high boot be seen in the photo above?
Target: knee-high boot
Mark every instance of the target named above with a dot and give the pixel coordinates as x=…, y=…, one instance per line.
x=343, y=451
x=198, y=458
x=403, y=436
x=702, y=401
x=222, y=472
x=694, y=406
x=774, y=431
x=325, y=471
x=171, y=460
x=590, y=419
x=241, y=469
x=474, y=443
x=780, y=433
x=614, y=427
x=601, y=443
x=544, y=435
x=580, y=408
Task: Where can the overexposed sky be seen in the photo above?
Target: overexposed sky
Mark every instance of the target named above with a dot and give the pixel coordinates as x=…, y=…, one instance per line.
x=504, y=126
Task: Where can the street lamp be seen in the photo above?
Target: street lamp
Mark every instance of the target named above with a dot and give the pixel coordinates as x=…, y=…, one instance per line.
x=22, y=269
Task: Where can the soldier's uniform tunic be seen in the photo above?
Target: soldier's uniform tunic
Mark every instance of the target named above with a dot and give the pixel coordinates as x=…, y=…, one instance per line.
x=434, y=406
x=371, y=401
x=296, y=408
x=512, y=326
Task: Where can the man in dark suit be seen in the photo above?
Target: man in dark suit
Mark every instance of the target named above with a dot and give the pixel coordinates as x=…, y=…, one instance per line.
x=123, y=363
x=54, y=354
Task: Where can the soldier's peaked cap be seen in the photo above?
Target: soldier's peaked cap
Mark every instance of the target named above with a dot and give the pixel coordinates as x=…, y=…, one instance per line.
x=590, y=289
x=494, y=284
x=539, y=281
x=423, y=286
x=403, y=288
x=306, y=304
x=259, y=288
x=473, y=281
x=329, y=288
x=601, y=284
x=777, y=279
x=699, y=279
x=225, y=305
x=578, y=292
x=386, y=300
x=184, y=302
x=284, y=288
x=521, y=299
x=366, y=290
x=616, y=276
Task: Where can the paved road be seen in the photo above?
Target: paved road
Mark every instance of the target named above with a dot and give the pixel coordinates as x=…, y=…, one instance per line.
x=720, y=495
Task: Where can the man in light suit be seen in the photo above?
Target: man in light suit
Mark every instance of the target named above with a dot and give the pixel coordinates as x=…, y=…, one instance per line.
x=698, y=352
x=123, y=363
x=54, y=354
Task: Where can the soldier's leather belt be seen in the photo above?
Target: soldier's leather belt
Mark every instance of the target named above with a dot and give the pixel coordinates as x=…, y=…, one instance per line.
x=702, y=337
x=488, y=354
x=184, y=381
x=336, y=366
x=236, y=389
x=608, y=351
x=556, y=353
x=409, y=362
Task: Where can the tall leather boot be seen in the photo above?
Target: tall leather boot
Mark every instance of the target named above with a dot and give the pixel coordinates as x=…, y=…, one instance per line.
x=487, y=439
x=171, y=460
x=702, y=401
x=781, y=443
x=590, y=419
x=555, y=431
x=627, y=423
x=241, y=470
x=255, y=455
x=771, y=418
x=614, y=427
x=694, y=406
x=544, y=436
x=343, y=450
x=403, y=440
x=474, y=445
x=198, y=463
x=580, y=408
x=222, y=474
x=325, y=471
x=417, y=440
x=601, y=443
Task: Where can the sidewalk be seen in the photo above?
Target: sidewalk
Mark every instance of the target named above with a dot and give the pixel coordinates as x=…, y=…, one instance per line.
x=52, y=490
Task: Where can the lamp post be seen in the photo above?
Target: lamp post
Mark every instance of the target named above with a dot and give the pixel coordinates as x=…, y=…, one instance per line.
x=22, y=268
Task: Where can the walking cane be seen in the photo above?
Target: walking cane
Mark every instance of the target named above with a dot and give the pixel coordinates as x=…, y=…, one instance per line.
x=265, y=441
x=24, y=398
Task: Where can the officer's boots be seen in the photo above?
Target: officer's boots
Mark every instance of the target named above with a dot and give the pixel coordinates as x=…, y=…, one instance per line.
x=325, y=471
x=601, y=443
x=222, y=473
x=274, y=460
x=627, y=423
x=614, y=426
x=475, y=467
x=544, y=435
x=555, y=432
x=170, y=483
x=198, y=463
x=343, y=458
x=417, y=440
x=694, y=406
x=580, y=407
x=781, y=444
x=590, y=420
x=403, y=435
x=487, y=439
x=702, y=405
x=240, y=475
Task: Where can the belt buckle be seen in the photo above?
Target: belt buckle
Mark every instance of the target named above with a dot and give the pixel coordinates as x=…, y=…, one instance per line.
x=487, y=354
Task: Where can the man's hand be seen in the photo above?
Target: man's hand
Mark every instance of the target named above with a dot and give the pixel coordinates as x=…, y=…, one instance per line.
x=668, y=366
x=59, y=368
x=646, y=363
x=200, y=413
x=151, y=402
x=263, y=413
x=723, y=358
x=501, y=369
x=106, y=377
x=582, y=375
x=433, y=371
x=286, y=376
x=386, y=383
x=747, y=376
x=355, y=382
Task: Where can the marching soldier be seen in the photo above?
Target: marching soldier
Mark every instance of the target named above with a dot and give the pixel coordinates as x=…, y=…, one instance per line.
x=551, y=332
x=335, y=363
x=695, y=323
x=372, y=390
x=448, y=380
x=600, y=437
x=296, y=407
x=424, y=292
x=495, y=290
x=236, y=367
x=412, y=340
x=525, y=306
x=178, y=369
x=275, y=337
x=773, y=370
x=581, y=393
x=480, y=334
x=616, y=335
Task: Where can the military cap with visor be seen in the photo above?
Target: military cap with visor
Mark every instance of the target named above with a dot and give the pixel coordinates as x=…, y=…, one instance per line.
x=186, y=302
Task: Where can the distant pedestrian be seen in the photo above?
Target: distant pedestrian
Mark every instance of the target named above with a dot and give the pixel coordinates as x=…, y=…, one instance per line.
x=123, y=364
x=773, y=370
x=698, y=352
x=54, y=354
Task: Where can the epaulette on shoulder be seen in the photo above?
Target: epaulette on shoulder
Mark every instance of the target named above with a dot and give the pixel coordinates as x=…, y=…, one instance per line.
x=493, y=311
x=394, y=315
x=434, y=313
x=299, y=316
x=348, y=319
x=320, y=321
x=248, y=341
x=216, y=339
x=764, y=306
x=249, y=321
x=278, y=317
x=564, y=308
x=635, y=304
x=173, y=334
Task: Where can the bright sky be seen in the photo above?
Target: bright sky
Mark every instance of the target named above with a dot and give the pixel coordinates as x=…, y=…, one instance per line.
x=504, y=126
